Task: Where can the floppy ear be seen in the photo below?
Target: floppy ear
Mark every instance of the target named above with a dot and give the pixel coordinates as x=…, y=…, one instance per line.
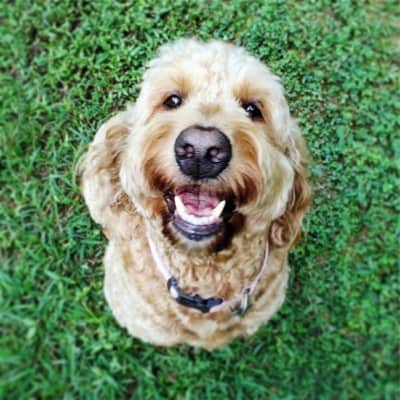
x=285, y=231
x=108, y=204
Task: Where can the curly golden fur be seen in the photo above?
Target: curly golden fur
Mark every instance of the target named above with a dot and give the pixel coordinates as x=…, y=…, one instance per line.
x=130, y=168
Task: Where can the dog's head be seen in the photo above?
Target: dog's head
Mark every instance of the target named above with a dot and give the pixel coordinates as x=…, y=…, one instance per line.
x=210, y=149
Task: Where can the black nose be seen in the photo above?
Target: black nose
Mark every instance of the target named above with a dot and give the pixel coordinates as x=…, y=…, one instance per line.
x=202, y=152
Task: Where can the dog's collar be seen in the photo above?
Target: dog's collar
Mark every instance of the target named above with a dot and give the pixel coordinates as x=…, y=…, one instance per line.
x=238, y=305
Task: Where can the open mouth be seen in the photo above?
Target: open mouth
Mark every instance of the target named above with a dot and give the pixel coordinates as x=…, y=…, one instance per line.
x=198, y=213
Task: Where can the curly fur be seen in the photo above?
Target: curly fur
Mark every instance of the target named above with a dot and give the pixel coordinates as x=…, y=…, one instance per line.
x=130, y=165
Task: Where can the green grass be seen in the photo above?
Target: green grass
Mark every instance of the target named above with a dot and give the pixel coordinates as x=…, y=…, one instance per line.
x=66, y=66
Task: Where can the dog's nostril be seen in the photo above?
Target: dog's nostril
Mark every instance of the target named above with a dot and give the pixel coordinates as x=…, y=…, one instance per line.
x=202, y=152
x=189, y=151
x=186, y=151
x=215, y=154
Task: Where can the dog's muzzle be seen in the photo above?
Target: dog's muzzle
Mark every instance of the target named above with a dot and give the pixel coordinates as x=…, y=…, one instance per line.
x=201, y=153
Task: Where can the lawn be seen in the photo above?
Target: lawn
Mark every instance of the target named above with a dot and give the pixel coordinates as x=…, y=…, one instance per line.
x=65, y=67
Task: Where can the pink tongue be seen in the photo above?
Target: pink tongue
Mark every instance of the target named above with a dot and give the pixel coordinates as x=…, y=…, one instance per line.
x=199, y=204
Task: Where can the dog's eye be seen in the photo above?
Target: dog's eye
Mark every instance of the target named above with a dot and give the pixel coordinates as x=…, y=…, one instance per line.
x=252, y=111
x=173, y=101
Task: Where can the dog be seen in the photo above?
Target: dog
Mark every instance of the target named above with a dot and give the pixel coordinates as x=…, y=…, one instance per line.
x=200, y=188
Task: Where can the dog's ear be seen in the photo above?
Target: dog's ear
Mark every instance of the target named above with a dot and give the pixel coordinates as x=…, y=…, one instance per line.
x=108, y=204
x=285, y=230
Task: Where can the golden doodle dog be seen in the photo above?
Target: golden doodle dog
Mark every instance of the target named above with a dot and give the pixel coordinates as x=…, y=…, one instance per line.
x=200, y=188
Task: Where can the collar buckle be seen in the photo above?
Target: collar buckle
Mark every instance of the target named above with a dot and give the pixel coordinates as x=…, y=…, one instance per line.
x=196, y=301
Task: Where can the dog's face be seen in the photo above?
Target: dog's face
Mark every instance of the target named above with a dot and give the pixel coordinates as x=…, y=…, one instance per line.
x=211, y=147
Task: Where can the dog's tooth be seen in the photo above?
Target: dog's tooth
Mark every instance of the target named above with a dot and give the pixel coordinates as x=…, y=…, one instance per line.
x=218, y=210
x=201, y=220
x=195, y=220
x=182, y=212
x=208, y=220
x=180, y=207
